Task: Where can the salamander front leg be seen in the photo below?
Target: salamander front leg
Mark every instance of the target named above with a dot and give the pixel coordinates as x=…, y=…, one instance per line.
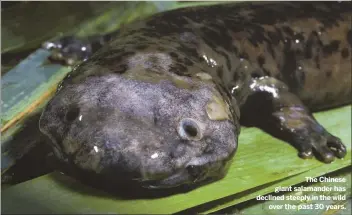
x=274, y=109
x=69, y=50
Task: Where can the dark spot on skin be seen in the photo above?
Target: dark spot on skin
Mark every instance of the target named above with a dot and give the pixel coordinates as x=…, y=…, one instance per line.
x=317, y=61
x=227, y=57
x=155, y=119
x=288, y=30
x=274, y=38
x=188, y=62
x=195, y=171
x=345, y=53
x=154, y=59
x=220, y=72
x=189, y=51
x=261, y=60
x=279, y=34
x=234, y=50
x=328, y=73
x=96, y=45
x=178, y=149
x=141, y=47
x=133, y=32
x=299, y=37
x=308, y=51
x=151, y=33
x=72, y=114
x=216, y=36
x=266, y=72
x=271, y=49
x=180, y=69
x=257, y=34
x=332, y=47
x=256, y=74
x=120, y=69
x=111, y=57
x=141, y=38
x=161, y=49
x=236, y=76
x=243, y=55
x=210, y=147
x=146, y=148
x=349, y=37
x=173, y=54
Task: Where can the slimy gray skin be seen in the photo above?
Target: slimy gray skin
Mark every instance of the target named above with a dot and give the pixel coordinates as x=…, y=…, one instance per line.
x=161, y=102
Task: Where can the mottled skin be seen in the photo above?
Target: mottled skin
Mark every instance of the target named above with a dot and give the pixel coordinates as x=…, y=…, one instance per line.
x=160, y=102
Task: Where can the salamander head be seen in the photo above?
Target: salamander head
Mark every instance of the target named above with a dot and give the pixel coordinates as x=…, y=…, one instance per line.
x=162, y=130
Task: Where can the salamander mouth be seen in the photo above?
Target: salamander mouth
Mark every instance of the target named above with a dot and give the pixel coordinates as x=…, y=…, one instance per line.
x=191, y=176
x=174, y=180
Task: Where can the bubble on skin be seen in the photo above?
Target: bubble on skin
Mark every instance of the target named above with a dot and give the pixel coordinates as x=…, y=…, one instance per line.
x=267, y=88
x=155, y=155
x=234, y=89
x=211, y=62
x=96, y=149
x=80, y=118
x=49, y=45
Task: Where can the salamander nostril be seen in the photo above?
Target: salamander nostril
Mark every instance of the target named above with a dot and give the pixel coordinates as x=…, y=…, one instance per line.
x=189, y=129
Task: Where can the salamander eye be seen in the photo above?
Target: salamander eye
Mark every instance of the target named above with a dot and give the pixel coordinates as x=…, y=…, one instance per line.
x=188, y=129
x=72, y=114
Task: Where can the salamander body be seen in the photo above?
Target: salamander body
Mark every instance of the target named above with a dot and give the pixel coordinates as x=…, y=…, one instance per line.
x=162, y=101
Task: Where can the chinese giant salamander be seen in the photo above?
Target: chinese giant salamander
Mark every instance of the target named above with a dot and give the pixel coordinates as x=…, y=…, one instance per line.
x=161, y=101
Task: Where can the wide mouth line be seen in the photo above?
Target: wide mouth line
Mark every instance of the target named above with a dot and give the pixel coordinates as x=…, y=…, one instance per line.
x=174, y=180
